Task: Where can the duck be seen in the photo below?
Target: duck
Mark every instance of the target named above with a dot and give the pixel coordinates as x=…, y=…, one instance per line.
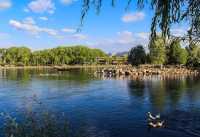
x=160, y=124
x=151, y=117
x=157, y=124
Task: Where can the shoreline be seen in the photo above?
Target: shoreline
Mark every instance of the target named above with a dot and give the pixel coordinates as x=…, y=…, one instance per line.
x=56, y=66
x=24, y=67
x=148, y=70
x=120, y=70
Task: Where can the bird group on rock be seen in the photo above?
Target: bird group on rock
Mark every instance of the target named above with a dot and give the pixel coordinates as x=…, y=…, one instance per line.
x=154, y=121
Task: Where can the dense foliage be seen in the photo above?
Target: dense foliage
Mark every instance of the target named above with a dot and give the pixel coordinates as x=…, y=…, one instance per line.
x=157, y=51
x=169, y=53
x=194, y=55
x=55, y=56
x=176, y=54
x=137, y=55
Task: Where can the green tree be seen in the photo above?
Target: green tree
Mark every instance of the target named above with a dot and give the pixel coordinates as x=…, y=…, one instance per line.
x=68, y=55
x=11, y=55
x=17, y=56
x=2, y=55
x=157, y=51
x=56, y=56
x=183, y=57
x=176, y=54
x=23, y=55
x=194, y=55
x=137, y=55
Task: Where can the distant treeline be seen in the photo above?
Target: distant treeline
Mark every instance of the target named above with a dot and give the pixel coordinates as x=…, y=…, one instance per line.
x=159, y=52
x=168, y=52
x=21, y=56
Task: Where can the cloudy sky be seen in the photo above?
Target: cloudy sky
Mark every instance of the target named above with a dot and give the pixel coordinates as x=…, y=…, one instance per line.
x=40, y=24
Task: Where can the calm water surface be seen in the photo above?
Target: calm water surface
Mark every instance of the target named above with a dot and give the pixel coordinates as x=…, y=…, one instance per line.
x=106, y=107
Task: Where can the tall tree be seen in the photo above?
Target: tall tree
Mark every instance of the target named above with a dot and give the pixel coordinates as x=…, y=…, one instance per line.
x=157, y=51
x=194, y=55
x=176, y=54
x=17, y=55
x=23, y=55
x=2, y=55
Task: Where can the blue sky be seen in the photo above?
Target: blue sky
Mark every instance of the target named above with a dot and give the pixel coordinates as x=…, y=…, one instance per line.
x=40, y=24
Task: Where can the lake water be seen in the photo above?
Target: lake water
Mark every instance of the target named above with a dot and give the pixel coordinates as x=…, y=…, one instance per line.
x=107, y=107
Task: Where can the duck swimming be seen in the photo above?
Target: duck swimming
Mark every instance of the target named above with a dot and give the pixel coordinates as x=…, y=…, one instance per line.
x=154, y=121
x=150, y=116
x=156, y=125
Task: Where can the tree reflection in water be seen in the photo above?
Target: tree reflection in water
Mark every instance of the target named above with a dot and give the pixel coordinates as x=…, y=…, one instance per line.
x=163, y=91
x=173, y=97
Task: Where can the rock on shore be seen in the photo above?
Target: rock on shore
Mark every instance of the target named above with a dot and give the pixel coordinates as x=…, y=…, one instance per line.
x=146, y=70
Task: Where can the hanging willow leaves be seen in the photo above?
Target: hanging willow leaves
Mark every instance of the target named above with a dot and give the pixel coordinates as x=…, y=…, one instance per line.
x=166, y=13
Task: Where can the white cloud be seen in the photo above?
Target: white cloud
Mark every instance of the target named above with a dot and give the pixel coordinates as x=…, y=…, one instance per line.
x=143, y=35
x=130, y=38
x=41, y=6
x=179, y=32
x=68, y=30
x=123, y=41
x=29, y=20
x=133, y=17
x=49, y=31
x=79, y=36
x=43, y=18
x=125, y=37
x=31, y=27
x=5, y=4
x=67, y=2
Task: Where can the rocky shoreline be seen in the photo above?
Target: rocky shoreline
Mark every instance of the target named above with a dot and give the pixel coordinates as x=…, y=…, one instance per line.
x=146, y=71
x=122, y=70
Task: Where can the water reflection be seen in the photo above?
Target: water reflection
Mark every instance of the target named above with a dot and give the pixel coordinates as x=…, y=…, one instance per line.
x=166, y=92
x=24, y=76
x=137, y=88
x=106, y=106
x=17, y=75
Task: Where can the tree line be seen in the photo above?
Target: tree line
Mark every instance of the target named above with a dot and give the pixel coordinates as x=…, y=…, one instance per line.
x=22, y=56
x=161, y=52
